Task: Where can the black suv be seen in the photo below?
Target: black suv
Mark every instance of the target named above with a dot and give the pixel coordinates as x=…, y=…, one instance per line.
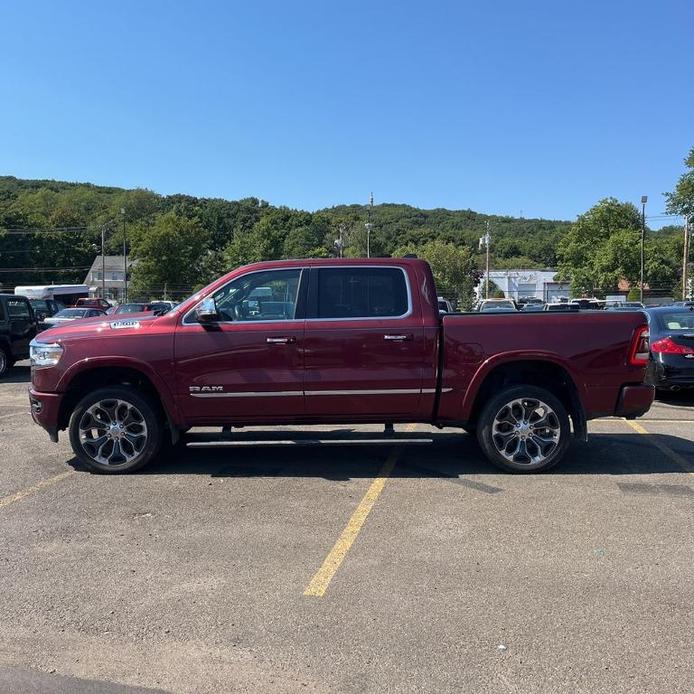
x=17, y=329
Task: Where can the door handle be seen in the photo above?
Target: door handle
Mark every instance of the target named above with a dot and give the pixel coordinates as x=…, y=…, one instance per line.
x=397, y=338
x=280, y=340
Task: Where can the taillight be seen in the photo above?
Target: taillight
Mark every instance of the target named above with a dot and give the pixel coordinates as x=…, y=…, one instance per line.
x=640, y=350
x=668, y=346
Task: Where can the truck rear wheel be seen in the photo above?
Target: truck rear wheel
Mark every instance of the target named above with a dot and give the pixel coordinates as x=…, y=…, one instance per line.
x=524, y=429
x=115, y=429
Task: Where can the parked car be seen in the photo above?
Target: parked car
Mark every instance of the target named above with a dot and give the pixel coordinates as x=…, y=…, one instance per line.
x=338, y=340
x=161, y=307
x=562, y=308
x=445, y=305
x=625, y=306
x=497, y=306
x=71, y=314
x=93, y=303
x=44, y=308
x=533, y=307
x=587, y=304
x=18, y=326
x=672, y=347
x=138, y=307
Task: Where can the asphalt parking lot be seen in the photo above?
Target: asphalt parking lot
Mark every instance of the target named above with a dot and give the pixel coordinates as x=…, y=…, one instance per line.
x=350, y=569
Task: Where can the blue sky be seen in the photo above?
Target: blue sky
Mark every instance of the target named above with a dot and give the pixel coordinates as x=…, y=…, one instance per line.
x=504, y=106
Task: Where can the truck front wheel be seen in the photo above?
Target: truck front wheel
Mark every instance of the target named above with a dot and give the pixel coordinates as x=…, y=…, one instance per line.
x=6, y=361
x=115, y=429
x=524, y=429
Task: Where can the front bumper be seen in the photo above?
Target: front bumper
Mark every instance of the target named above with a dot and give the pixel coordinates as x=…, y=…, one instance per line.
x=45, y=411
x=635, y=400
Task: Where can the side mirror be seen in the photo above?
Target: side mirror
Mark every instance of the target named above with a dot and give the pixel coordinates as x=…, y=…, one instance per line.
x=206, y=312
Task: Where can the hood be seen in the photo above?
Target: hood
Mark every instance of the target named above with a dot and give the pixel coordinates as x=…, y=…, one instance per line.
x=101, y=326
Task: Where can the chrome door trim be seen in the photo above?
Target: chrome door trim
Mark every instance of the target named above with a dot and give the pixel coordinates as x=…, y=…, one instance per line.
x=382, y=391
x=290, y=393
x=358, y=266
x=249, y=394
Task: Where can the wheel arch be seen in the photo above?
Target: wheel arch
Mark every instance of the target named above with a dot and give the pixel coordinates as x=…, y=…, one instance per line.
x=540, y=371
x=80, y=382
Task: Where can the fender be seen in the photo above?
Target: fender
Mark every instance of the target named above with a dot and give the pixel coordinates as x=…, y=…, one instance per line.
x=159, y=383
x=488, y=365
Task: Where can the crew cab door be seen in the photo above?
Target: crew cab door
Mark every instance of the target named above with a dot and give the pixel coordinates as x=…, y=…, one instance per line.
x=364, y=343
x=248, y=364
x=21, y=326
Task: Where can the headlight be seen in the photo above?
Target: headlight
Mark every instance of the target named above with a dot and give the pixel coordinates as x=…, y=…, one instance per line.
x=45, y=353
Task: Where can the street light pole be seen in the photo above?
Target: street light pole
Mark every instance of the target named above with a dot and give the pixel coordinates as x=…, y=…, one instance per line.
x=685, y=264
x=125, y=259
x=644, y=200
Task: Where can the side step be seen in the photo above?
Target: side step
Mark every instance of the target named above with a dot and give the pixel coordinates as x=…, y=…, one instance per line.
x=229, y=443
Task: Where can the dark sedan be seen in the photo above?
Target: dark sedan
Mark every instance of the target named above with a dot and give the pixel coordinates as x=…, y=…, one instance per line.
x=672, y=347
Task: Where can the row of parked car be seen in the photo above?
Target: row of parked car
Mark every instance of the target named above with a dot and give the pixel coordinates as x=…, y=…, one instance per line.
x=21, y=318
x=50, y=313
x=671, y=330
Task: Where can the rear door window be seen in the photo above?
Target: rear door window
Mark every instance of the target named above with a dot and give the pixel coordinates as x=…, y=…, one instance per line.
x=678, y=321
x=18, y=309
x=362, y=292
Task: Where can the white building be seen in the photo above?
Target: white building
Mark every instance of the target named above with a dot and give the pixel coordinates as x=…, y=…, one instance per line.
x=108, y=273
x=516, y=284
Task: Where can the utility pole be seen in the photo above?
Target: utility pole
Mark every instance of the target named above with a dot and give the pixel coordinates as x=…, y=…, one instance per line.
x=487, y=239
x=644, y=200
x=340, y=240
x=103, y=261
x=685, y=263
x=125, y=259
x=369, y=225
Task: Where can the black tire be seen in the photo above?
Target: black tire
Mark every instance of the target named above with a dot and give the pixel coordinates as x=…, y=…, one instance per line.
x=530, y=456
x=135, y=425
x=6, y=362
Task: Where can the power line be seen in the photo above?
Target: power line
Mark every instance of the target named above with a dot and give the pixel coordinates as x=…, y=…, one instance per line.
x=54, y=230
x=44, y=269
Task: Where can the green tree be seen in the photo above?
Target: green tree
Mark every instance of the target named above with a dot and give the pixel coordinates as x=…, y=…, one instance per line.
x=169, y=254
x=601, y=247
x=454, y=269
x=681, y=200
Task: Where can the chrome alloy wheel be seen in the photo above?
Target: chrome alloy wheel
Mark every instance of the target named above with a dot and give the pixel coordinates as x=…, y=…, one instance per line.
x=113, y=432
x=526, y=431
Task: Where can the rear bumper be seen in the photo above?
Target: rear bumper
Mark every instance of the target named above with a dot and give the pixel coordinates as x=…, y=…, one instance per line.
x=45, y=410
x=672, y=373
x=635, y=400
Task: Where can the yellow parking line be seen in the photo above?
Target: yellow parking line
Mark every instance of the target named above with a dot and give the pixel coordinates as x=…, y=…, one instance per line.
x=663, y=448
x=321, y=580
x=28, y=491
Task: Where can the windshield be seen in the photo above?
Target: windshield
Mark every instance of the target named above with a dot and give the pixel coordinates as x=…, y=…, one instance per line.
x=131, y=308
x=494, y=305
x=71, y=313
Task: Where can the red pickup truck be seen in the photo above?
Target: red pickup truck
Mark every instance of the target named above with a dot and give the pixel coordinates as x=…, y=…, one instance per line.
x=336, y=341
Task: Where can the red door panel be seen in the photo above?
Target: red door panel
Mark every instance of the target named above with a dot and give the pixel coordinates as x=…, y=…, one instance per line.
x=364, y=368
x=240, y=371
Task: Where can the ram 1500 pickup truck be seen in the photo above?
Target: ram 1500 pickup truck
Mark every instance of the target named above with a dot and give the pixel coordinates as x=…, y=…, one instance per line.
x=335, y=341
